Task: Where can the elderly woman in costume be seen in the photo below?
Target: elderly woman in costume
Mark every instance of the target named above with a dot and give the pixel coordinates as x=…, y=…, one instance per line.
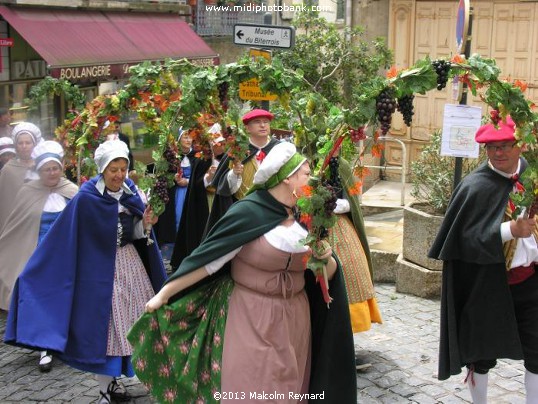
x=20, y=169
x=7, y=150
x=90, y=277
x=37, y=206
x=249, y=319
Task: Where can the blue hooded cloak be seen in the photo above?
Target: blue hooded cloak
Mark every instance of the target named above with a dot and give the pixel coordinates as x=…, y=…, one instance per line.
x=62, y=299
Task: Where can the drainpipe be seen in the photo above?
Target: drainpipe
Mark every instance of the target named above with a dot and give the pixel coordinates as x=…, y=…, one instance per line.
x=349, y=11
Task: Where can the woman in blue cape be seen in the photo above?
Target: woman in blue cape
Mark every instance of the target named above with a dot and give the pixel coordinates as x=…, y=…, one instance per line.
x=89, y=278
x=258, y=329
x=37, y=206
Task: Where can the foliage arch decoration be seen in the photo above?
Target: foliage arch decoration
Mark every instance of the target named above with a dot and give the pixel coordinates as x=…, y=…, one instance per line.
x=205, y=95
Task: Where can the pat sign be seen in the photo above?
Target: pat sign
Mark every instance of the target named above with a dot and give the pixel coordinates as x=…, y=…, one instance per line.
x=264, y=36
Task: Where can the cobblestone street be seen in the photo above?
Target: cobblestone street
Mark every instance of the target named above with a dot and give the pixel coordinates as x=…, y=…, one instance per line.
x=402, y=353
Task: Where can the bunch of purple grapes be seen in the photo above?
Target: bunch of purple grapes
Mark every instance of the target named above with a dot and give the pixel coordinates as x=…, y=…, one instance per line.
x=161, y=189
x=171, y=158
x=442, y=67
x=334, y=177
x=405, y=106
x=385, y=107
x=330, y=202
x=357, y=135
x=223, y=95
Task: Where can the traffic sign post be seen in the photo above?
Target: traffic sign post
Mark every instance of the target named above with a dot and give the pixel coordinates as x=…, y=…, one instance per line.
x=464, y=28
x=265, y=36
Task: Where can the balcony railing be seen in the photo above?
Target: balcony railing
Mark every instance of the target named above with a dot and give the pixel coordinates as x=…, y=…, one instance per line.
x=216, y=20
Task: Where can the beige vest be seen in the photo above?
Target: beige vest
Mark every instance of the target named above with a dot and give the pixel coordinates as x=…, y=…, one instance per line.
x=249, y=170
x=509, y=248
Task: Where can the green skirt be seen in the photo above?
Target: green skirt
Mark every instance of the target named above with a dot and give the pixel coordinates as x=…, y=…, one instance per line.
x=177, y=350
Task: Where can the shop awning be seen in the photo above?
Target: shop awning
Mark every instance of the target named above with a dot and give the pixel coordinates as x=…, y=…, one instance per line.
x=94, y=42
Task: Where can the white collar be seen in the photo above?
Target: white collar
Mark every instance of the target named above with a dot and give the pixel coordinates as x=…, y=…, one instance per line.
x=259, y=148
x=100, y=185
x=506, y=175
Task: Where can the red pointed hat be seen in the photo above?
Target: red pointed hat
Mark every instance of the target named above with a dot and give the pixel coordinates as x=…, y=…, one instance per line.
x=504, y=131
x=257, y=113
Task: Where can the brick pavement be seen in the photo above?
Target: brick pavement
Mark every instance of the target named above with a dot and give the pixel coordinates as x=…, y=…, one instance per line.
x=402, y=352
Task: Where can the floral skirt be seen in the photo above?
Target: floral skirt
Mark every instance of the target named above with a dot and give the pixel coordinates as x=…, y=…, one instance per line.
x=177, y=350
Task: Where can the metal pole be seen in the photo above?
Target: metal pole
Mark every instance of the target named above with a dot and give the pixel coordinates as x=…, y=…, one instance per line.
x=463, y=101
x=267, y=20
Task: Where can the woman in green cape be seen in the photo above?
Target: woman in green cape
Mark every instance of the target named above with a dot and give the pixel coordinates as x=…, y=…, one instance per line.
x=241, y=319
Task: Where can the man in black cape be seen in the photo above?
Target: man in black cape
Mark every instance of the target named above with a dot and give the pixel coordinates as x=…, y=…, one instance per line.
x=489, y=302
x=233, y=179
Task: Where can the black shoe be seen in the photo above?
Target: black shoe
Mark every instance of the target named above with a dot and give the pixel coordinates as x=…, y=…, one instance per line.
x=118, y=392
x=104, y=398
x=45, y=362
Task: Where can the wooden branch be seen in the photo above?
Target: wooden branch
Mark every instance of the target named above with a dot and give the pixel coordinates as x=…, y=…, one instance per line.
x=331, y=73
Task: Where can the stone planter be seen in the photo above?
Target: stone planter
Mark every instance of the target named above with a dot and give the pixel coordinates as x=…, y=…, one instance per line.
x=415, y=272
x=419, y=232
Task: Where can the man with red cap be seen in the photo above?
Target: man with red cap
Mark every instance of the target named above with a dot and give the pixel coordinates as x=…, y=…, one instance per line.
x=232, y=184
x=489, y=300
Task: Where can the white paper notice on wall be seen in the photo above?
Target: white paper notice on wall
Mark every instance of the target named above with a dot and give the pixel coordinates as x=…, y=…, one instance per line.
x=460, y=123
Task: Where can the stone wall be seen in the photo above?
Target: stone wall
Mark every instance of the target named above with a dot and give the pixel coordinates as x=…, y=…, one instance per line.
x=227, y=50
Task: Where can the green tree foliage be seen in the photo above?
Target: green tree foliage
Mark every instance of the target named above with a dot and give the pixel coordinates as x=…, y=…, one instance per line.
x=334, y=61
x=433, y=175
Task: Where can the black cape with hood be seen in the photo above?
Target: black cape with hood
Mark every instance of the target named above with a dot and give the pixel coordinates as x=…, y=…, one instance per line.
x=477, y=315
x=165, y=228
x=195, y=214
x=332, y=352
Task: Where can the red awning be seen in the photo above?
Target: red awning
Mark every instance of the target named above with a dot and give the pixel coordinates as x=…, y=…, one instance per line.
x=70, y=38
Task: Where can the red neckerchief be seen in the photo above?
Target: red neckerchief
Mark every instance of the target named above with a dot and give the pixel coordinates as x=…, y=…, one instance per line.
x=260, y=155
x=518, y=188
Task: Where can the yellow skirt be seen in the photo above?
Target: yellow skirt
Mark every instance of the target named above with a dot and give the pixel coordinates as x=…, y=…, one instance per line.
x=346, y=244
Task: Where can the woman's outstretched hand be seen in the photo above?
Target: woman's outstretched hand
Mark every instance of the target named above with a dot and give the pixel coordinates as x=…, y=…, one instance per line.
x=155, y=303
x=149, y=217
x=323, y=250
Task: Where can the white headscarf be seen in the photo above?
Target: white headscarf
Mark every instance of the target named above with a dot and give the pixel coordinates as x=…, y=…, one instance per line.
x=46, y=151
x=26, y=128
x=6, y=145
x=281, y=154
x=108, y=151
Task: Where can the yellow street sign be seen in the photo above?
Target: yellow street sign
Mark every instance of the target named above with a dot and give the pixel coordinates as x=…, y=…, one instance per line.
x=250, y=89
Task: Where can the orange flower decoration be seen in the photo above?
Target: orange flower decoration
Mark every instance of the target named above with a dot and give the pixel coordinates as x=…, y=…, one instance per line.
x=377, y=149
x=458, y=59
x=521, y=84
x=361, y=171
x=306, y=219
x=307, y=190
x=392, y=72
x=356, y=189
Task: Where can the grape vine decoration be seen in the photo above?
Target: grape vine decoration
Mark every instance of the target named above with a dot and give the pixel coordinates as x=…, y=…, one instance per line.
x=385, y=107
x=442, y=69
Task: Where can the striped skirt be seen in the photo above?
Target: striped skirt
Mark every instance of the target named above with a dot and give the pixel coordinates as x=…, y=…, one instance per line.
x=132, y=289
x=346, y=244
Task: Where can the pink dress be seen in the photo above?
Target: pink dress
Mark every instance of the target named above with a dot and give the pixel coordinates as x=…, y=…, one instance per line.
x=267, y=337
